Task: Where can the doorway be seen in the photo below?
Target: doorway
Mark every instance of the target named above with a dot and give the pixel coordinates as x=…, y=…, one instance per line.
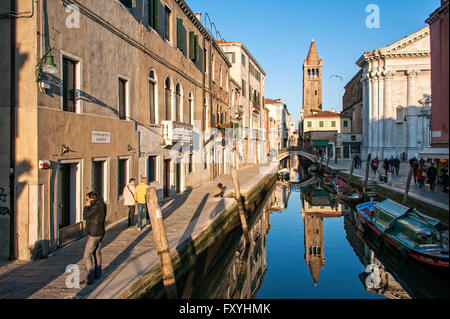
x=178, y=178
x=166, y=180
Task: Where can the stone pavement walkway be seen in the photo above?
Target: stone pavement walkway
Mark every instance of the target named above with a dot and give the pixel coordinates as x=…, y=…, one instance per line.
x=127, y=253
x=437, y=197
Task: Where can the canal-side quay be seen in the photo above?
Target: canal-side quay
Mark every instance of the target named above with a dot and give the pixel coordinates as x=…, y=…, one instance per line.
x=130, y=262
x=434, y=204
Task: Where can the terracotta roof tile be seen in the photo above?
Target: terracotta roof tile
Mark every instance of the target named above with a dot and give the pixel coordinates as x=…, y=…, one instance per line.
x=323, y=114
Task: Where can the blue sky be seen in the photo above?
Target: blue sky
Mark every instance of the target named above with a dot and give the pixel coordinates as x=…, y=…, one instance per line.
x=278, y=34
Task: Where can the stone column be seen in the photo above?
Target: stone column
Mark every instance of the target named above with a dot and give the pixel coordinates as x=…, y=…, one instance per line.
x=373, y=119
x=365, y=114
x=411, y=142
x=380, y=141
x=389, y=115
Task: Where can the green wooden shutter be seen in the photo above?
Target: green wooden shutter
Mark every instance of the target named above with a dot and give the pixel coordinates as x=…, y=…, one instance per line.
x=196, y=50
x=180, y=34
x=191, y=45
x=154, y=14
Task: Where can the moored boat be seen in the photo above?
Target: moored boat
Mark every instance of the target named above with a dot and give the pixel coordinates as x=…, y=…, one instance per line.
x=415, y=235
x=345, y=192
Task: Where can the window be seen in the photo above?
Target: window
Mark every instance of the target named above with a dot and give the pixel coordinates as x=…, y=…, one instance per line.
x=122, y=176
x=128, y=3
x=153, y=14
x=178, y=103
x=152, y=164
x=220, y=74
x=309, y=124
x=345, y=123
x=213, y=68
x=168, y=14
x=316, y=92
x=320, y=123
x=69, y=85
x=317, y=72
x=333, y=123
x=152, y=97
x=243, y=59
x=99, y=178
x=167, y=99
x=243, y=87
x=122, y=99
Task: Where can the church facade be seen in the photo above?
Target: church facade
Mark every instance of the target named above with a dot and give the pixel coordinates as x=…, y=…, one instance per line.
x=396, y=97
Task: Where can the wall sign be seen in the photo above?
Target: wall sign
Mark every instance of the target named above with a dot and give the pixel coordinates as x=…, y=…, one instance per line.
x=99, y=137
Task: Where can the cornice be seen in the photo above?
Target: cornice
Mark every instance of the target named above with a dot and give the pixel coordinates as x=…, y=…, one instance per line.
x=437, y=13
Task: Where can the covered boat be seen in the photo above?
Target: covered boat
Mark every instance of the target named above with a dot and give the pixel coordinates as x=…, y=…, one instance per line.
x=418, y=236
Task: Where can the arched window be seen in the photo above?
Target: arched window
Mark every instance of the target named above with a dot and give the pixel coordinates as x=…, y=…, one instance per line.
x=152, y=97
x=178, y=103
x=190, y=109
x=309, y=72
x=168, y=99
x=317, y=72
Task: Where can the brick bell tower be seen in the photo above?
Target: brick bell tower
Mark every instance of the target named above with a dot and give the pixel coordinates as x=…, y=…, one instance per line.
x=312, y=82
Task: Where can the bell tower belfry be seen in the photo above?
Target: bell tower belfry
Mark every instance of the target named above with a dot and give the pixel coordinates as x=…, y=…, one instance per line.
x=312, y=82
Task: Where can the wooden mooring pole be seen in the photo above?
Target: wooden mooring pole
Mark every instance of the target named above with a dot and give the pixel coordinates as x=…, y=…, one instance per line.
x=162, y=244
x=367, y=173
x=237, y=194
x=408, y=184
x=351, y=170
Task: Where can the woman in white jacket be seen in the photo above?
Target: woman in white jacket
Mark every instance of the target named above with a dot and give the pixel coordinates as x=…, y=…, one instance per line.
x=128, y=199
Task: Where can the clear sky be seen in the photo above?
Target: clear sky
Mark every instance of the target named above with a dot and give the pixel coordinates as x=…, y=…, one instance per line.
x=278, y=34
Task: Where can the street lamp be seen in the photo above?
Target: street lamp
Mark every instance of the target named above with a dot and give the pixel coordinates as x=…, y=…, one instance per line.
x=48, y=66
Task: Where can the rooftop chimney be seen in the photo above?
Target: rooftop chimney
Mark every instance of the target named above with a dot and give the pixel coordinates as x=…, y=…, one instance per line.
x=198, y=15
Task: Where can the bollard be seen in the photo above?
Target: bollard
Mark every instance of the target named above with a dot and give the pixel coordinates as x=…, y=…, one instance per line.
x=237, y=194
x=408, y=184
x=162, y=244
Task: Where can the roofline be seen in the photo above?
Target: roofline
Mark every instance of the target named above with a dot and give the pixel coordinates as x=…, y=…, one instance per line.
x=183, y=5
x=435, y=15
x=242, y=45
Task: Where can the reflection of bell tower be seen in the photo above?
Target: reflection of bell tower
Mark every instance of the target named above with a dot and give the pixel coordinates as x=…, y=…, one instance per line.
x=314, y=245
x=312, y=82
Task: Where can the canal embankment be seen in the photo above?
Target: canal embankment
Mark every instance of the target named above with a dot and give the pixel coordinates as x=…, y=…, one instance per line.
x=129, y=258
x=434, y=204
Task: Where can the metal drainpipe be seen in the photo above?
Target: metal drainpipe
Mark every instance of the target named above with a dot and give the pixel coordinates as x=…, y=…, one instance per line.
x=12, y=157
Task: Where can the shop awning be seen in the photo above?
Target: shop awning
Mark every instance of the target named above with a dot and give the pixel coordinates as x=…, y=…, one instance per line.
x=434, y=153
x=323, y=143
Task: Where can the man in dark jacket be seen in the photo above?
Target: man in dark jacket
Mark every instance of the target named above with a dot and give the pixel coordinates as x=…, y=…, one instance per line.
x=432, y=174
x=95, y=215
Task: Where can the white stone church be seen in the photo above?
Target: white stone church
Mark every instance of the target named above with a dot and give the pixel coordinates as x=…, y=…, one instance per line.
x=396, y=97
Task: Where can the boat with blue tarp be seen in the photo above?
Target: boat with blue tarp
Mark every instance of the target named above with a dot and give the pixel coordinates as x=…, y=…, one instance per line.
x=414, y=234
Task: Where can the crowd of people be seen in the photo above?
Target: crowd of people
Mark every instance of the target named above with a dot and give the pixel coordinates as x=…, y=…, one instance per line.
x=424, y=172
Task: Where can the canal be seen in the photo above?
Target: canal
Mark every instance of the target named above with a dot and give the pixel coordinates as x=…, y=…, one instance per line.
x=306, y=245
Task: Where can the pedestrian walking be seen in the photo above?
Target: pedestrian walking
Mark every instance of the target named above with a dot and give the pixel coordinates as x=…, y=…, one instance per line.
x=374, y=167
x=422, y=176
x=392, y=164
x=386, y=166
x=139, y=196
x=94, y=214
x=432, y=174
x=397, y=165
x=128, y=199
x=445, y=179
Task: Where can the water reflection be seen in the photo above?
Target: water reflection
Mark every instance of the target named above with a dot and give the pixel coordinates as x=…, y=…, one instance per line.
x=316, y=248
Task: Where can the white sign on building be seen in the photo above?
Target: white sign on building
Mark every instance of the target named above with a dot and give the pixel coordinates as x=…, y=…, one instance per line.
x=99, y=137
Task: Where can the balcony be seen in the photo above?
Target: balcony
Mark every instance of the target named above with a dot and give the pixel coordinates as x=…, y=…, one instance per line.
x=176, y=132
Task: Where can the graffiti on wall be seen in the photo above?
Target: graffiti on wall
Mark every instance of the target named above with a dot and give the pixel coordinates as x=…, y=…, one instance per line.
x=4, y=210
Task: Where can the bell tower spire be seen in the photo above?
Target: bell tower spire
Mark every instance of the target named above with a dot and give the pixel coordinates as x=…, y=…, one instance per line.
x=312, y=81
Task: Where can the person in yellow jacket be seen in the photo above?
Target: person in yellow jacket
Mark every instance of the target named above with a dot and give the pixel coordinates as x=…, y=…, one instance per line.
x=139, y=196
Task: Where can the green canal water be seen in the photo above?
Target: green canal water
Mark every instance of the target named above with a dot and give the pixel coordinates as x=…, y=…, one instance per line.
x=307, y=245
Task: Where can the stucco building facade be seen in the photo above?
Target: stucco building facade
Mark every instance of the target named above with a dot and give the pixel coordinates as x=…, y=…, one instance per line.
x=396, y=90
